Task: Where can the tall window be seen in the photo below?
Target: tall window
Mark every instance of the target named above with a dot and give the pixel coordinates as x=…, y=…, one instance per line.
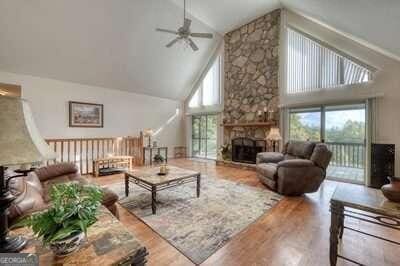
x=305, y=124
x=311, y=66
x=209, y=91
x=204, y=136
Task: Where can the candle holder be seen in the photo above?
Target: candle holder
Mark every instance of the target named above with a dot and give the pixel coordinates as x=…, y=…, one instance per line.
x=265, y=115
x=271, y=115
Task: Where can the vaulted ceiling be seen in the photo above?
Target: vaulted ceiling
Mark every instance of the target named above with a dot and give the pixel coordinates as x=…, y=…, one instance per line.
x=226, y=15
x=113, y=43
x=371, y=21
x=105, y=43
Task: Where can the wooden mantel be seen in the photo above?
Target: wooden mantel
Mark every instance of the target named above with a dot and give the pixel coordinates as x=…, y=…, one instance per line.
x=252, y=124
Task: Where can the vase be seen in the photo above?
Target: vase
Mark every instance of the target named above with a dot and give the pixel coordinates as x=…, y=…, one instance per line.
x=65, y=246
x=392, y=191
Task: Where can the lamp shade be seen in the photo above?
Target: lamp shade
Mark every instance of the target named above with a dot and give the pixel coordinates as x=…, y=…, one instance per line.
x=274, y=134
x=148, y=132
x=20, y=140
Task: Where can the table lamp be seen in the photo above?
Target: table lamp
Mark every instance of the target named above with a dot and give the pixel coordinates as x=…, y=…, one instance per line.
x=148, y=133
x=274, y=136
x=20, y=145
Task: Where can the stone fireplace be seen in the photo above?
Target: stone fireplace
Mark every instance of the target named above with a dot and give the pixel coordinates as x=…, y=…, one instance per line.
x=244, y=150
x=251, y=79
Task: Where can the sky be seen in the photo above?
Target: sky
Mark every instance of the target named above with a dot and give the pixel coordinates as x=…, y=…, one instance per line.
x=333, y=118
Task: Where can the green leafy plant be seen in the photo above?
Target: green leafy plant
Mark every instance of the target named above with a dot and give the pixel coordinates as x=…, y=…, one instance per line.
x=158, y=158
x=74, y=208
x=225, y=151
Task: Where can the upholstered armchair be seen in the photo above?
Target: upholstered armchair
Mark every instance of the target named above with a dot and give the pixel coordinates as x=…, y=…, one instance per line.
x=299, y=169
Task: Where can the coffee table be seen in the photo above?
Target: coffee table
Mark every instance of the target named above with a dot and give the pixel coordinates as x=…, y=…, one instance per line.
x=149, y=179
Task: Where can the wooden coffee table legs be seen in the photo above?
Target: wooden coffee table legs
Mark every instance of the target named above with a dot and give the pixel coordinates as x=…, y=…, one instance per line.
x=126, y=185
x=198, y=186
x=336, y=230
x=154, y=194
x=153, y=199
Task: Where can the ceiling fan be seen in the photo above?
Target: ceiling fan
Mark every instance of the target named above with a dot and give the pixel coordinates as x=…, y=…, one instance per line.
x=184, y=33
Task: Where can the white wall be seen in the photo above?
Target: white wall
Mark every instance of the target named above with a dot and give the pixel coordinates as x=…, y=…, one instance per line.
x=124, y=113
x=386, y=81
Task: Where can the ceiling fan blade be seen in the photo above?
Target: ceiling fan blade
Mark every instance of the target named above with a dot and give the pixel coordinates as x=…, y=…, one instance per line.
x=202, y=35
x=167, y=31
x=186, y=24
x=173, y=42
x=192, y=44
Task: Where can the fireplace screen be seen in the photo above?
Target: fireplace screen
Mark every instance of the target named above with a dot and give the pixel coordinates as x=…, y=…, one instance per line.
x=244, y=150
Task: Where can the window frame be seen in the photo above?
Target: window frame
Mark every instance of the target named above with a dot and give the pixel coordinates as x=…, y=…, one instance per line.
x=340, y=73
x=202, y=138
x=201, y=108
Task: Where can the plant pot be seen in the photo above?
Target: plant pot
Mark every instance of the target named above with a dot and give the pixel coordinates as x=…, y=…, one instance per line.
x=392, y=191
x=67, y=245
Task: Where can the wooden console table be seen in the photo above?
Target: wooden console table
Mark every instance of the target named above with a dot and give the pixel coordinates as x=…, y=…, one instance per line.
x=107, y=243
x=113, y=161
x=157, y=150
x=364, y=204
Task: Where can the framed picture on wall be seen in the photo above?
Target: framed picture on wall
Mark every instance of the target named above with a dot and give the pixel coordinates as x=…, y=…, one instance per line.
x=85, y=114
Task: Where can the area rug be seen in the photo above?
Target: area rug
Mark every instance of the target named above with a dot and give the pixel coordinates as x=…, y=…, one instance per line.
x=198, y=227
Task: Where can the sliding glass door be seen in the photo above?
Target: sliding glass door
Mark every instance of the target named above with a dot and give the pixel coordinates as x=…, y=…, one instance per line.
x=305, y=124
x=342, y=128
x=204, y=136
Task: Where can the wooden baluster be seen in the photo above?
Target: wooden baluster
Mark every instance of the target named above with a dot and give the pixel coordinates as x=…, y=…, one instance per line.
x=62, y=151
x=87, y=156
x=69, y=150
x=98, y=148
x=92, y=154
x=102, y=146
x=74, y=151
x=55, y=149
x=80, y=156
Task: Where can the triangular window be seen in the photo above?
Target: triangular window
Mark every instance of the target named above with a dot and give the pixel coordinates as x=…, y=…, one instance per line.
x=311, y=66
x=209, y=90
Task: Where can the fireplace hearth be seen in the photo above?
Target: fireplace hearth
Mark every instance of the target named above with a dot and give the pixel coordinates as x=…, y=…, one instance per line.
x=244, y=150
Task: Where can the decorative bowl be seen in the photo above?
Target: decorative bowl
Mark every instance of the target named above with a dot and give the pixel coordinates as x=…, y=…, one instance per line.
x=67, y=245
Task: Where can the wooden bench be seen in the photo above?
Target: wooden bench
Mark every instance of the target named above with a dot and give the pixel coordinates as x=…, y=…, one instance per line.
x=113, y=161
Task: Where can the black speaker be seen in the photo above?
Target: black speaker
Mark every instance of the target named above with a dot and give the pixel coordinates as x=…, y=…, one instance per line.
x=382, y=164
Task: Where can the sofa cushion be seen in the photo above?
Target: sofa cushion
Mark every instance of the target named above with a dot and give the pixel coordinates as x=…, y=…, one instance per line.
x=55, y=170
x=267, y=169
x=29, y=196
x=269, y=157
x=300, y=149
x=289, y=157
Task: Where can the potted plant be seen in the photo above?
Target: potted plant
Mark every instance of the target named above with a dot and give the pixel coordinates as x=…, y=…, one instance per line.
x=158, y=159
x=225, y=151
x=63, y=226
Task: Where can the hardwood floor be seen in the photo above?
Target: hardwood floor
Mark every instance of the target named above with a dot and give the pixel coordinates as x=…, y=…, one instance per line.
x=295, y=232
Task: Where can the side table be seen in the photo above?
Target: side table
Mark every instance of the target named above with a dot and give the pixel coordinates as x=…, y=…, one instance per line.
x=364, y=204
x=153, y=151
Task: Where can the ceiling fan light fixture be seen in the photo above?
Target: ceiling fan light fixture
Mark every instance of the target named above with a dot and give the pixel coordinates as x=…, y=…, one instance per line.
x=184, y=33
